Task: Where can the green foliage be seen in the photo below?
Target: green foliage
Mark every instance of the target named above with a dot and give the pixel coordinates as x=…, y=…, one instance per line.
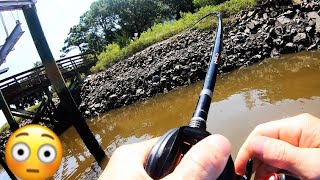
x=34, y=108
x=76, y=39
x=107, y=58
x=37, y=64
x=4, y=127
x=95, y=29
x=178, y=6
x=120, y=21
x=68, y=83
x=122, y=39
x=18, y=119
x=136, y=16
x=201, y=3
x=33, y=76
x=161, y=31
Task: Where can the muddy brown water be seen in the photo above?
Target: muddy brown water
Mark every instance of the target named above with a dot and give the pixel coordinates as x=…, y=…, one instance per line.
x=277, y=88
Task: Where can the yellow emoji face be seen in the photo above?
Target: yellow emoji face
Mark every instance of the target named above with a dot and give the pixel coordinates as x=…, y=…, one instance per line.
x=33, y=152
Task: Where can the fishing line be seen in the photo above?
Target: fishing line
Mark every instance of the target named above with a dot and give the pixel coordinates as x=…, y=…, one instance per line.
x=198, y=21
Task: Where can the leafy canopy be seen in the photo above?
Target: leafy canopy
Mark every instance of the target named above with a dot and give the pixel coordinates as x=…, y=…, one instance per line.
x=120, y=21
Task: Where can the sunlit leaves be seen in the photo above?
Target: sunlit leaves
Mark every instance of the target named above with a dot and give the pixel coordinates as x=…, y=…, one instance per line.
x=110, y=21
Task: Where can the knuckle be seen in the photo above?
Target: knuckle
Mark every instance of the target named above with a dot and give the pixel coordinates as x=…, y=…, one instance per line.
x=305, y=117
x=280, y=154
x=259, y=128
x=315, y=138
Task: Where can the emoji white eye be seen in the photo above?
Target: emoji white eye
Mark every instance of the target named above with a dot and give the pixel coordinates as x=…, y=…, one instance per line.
x=20, y=152
x=47, y=153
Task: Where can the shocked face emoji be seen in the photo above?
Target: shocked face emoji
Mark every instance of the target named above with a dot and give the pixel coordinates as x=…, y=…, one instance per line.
x=33, y=152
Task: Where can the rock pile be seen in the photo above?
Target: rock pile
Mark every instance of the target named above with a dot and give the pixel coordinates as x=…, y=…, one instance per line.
x=271, y=28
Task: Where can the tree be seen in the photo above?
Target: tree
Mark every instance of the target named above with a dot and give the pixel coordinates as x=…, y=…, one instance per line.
x=103, y=20
x=178, y=6
x=110, y=21
x=77, y=38
x=97, y=27
x=201, y=3
x=96, y=43
x=37, y=64
x=136, y=16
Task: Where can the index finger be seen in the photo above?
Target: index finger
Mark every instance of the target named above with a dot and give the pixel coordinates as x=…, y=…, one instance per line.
x=302, y=131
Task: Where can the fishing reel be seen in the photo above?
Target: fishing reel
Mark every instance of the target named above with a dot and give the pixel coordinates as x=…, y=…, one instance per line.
x=167, y=153
x=173, y=145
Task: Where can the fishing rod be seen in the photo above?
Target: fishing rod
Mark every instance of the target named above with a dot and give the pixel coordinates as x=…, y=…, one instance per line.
x=173, y=145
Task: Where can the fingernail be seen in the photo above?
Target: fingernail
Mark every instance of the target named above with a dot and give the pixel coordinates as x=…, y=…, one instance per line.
x=220, y=143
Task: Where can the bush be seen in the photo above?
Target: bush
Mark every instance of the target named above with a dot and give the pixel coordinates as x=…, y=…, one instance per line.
x=162, y=31
x=201, y=3
x=122, y=39
x=107, y=58
x=6, y=126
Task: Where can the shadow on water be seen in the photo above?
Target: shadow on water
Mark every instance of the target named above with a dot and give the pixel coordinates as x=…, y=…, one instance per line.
x=277, y=88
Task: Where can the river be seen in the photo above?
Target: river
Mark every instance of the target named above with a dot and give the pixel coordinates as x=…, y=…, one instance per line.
x=274, y=89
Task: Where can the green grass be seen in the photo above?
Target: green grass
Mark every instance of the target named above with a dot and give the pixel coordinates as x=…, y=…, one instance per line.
x=34, y=107
x=111, y=55
x=166, y=30
x=18, y=119
x=6, y=126
x=68, y=83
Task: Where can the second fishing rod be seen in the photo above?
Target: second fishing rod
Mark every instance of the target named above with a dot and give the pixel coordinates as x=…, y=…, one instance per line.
x=173, y=145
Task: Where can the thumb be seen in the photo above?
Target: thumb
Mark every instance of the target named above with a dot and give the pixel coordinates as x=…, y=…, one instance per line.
x=205, y=160
x=282, y=155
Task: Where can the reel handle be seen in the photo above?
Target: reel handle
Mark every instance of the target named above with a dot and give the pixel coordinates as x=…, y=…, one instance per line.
x=173, y=145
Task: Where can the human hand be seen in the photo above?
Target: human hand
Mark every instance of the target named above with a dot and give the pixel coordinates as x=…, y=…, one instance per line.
x=291, y=144
x=205, y=160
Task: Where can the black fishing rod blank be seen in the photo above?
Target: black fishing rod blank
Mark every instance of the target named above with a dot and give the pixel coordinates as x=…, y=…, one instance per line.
x=173, y=145
x=200, y=114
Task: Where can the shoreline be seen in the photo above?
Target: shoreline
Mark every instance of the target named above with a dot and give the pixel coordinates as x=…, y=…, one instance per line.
x=267, y=30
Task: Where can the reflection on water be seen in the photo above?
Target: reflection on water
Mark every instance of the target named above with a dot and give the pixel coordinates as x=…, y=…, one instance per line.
x=274, y=89
x=288, y=77
x=235, y=120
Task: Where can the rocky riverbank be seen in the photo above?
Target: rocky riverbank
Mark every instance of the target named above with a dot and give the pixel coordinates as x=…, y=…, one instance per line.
x=271, y=28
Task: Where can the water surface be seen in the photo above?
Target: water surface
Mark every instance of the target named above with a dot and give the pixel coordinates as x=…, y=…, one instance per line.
x=275, y=89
